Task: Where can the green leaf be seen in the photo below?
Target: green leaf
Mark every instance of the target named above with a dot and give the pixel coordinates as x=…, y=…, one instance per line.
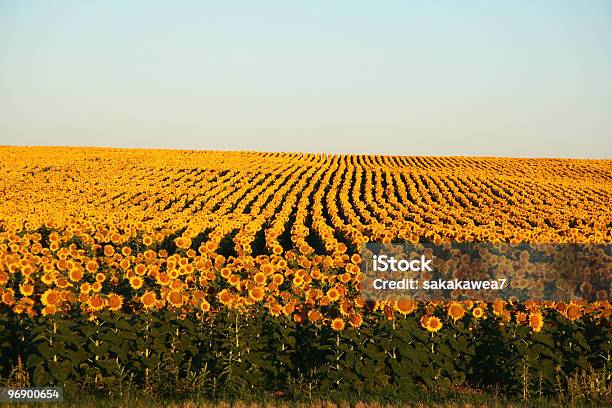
x=61, y=371
x=40, y=377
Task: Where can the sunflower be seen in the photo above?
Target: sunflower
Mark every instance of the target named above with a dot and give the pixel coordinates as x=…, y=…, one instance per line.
x=234, y=280
x=298, y=280
x=337, y=324
x=315, y=274
x=219, y=261
x=140, y=269
x=226, y=272
x=109, y=250
x=148, y=299
x=314, y=316
x=333, y=294
x=75, y=275
x=498, y=307
x=359, y=303
x=124, y=264
x=405, y=306
x=27, y=270
x=260, y=278
x=175, y=298
x=573, y=312
x=50, y=297
x=136, y=282
x=345, y=277
x=8, y=297
x=561, y=307
x=91, y=266
x=506, y=316
x=355, y=319
x=456, y=311
x=26, y=289
x=257, y=293
x=114, y=302
x=197, y=296
x=532, y=305
x=424, y=320
x=275, y=309
x=478, y=312
x=96, y=303
x=49, y=310
x=521, y=317
x=345, y=308
x=433, y=324
x=47, y=279
x=163, y=279
x=204, y=305
x=536, y=321
x=182, y=242
x=288, y=309
x=225, y=297
x=278, y=279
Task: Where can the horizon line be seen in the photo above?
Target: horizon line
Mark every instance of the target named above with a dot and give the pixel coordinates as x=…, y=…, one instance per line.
x=176, y=149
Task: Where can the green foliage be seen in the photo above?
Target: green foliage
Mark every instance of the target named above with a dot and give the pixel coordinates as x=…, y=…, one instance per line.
x=235, y=354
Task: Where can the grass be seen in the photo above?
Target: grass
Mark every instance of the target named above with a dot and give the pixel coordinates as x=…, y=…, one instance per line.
x=586, y=388
x=441, y=399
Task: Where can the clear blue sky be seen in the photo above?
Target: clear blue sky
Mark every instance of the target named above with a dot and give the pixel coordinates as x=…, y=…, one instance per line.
x=492, y=78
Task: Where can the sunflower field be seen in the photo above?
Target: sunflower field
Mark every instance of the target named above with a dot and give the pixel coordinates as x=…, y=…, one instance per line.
x=228, y=272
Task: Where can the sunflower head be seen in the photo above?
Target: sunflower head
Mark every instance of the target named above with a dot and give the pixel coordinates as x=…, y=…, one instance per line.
x=148, y=299
x=114, y=302
x=337, y=324
x=456, y=311
x=478, y=312
x=433, y=324
x=257, y=293
x=536, y=321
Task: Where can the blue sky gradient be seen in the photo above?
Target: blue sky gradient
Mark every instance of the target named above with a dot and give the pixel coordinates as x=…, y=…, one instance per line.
x=478, y=78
